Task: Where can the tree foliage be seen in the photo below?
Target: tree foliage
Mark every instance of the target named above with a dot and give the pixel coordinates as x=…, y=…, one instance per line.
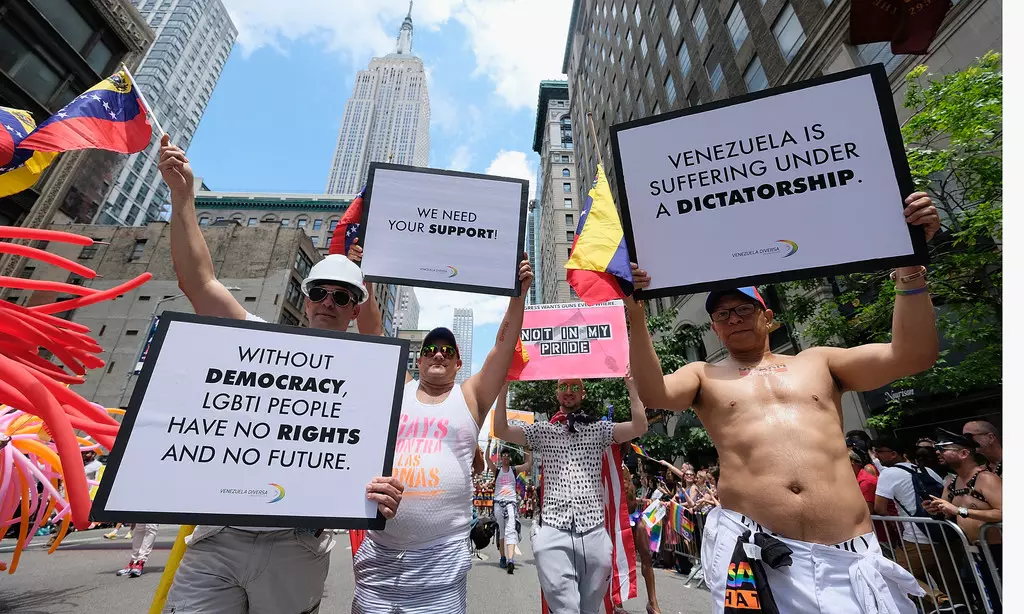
x=954, y=142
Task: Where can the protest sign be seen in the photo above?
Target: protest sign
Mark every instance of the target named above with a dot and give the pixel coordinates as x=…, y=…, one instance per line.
x=572, y=340
x=252, y=424
x=443, y=229
x=799, y=181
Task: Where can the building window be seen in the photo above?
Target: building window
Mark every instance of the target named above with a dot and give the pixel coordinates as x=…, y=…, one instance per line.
x=332, y=225
x=289, y=319
x=570, y=236
x=142, y=299
x=88, y=252
x=565, y=172
x=569, y=220
x=204, y=221
x=684, y=59
x=565, y=160
x=693, y=98
x=657, y=109
x=317, y=224
x=737, y=26
x=284, y=221
x=253, y=221
x=301, y=223
x=636, y=13
x=140, y=249
x=131, y=333
x=567, y=188
x=641, y=108
x=714, y=74
x=643, y=45
x=880, y=53
x=754, y=76
x=673, y=19
x=662, y=52
x=316, y=241
x=650, y=78
x=670, y=91
x=294, y=294
x=302, y=264
x=789, y=32
x=568, y=252
x=629, y=39
x=27, y=272
x=700, y=24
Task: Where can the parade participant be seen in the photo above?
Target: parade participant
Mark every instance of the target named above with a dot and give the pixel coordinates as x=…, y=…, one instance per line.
x=437, y=437
x=975, y=495
x=986, y=436
x=225, y=569
x=142, y=546
x=776, y=422
x=506, y=502
x=641, y=539
x=571, y=547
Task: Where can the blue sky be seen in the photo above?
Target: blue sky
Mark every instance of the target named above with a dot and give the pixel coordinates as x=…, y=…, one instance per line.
x=273, y=119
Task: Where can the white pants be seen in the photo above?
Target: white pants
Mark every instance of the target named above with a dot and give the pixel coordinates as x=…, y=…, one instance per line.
x=505, y=514
x=847, y=578
x=143, y=538
x=574, y=570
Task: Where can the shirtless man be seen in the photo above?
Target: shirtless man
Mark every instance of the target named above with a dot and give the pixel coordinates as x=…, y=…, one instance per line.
x=986, y=436
x=777, y=424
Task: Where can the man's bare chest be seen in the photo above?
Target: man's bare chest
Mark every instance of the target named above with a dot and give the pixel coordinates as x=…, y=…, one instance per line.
x=789, y=381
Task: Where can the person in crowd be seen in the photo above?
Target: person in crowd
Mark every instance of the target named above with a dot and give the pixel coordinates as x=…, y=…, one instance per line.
x=759, y=407
x=973, y=497
x=142, y=546
x=92, y=465
x=865, y=480
x=990, y=446
x=923, y=558
x=925, y=454
x=571, y=547
x=117, y=527
x=224, y=569
x=641, y=539
x=859, y=441
x=506, y=500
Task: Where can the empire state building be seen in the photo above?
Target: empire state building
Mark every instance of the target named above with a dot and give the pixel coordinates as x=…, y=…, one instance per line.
x=387, y=118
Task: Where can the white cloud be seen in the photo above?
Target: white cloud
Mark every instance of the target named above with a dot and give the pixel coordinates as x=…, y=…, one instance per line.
x=515, y=44
x=513, y=164
x=437, y=307
x=461, y=159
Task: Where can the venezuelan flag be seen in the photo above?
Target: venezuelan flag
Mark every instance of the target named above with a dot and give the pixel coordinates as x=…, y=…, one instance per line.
x=19, y=168
x=348, y=228
x=108, y=116
x=598, y=267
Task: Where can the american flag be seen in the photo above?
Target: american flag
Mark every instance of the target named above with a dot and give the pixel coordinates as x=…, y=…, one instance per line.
x=348, y=227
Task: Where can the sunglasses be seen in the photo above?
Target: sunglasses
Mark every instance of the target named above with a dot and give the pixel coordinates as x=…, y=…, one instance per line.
x=341, y=298
x=568, y=387
x=744, y=310
x=447, y=351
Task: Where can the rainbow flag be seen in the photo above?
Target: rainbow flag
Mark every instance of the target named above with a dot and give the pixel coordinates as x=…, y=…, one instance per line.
x=348, y=228
x=686, y=525
x=19, y=168
x=655, y=538
x=109, y=115
x=598, y=268
x=639, y=450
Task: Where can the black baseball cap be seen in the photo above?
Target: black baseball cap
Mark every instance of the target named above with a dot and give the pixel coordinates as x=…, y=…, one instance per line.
x=443, y=335
x=891, y=443
x=945, y=439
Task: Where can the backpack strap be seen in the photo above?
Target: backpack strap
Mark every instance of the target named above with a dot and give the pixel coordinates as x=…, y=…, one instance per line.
x=912, y=473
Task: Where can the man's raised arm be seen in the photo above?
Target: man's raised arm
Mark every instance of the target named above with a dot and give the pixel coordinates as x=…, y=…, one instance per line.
x=482, y=388
x=369, y=320
x=512, y=433
x=192, y=262
x=637, y=425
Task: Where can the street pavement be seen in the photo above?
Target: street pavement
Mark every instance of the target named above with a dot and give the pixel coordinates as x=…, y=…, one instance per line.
x=79, y=579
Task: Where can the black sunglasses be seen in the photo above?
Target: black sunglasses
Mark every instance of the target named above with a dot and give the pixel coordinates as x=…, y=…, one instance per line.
x=341, y=298
x=568, y=387
x=744, y=310
x=447, y=351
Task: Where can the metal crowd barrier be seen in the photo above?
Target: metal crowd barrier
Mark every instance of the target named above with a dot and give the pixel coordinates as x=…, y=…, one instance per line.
x=947, y=567
x=690, y=549
x=993, y=568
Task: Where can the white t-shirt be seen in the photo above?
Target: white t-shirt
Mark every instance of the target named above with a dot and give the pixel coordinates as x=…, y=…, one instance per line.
x=93, y=469
x=898, y=485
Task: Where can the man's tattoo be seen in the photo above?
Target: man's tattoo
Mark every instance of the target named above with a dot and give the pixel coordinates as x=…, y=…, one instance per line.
x=504, y=329
x=763, y=370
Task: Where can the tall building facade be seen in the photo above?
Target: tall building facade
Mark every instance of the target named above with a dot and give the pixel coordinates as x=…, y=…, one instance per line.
x=415, y=338
x=50, y=52
x=268, y=286
x=532, y=248
x=387, y=118
x=462, y=326
x=628, y=59
x=559, y=200
x=407, y=316
x=177, y=76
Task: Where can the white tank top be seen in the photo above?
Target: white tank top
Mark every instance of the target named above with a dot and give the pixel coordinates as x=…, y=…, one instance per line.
x=433, y=458
x=505, y=487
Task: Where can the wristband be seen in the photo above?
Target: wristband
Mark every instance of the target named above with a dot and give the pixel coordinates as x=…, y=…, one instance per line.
x=909, y=278
x=911, y=291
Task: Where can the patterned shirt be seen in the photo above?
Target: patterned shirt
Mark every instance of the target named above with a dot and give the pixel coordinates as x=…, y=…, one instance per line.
x=573, y=494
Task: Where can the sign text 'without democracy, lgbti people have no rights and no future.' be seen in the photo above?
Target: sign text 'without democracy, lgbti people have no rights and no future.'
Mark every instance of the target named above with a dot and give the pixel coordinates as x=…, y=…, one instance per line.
x=443, y=229
x=255, y=424
x=803, y=180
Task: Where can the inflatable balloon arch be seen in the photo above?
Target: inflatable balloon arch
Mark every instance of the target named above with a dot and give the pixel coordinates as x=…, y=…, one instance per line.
x=45, y=427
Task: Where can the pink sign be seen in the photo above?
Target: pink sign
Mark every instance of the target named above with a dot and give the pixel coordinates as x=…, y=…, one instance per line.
x=571, y=340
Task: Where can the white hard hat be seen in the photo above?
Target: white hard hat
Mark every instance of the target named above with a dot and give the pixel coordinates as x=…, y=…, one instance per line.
x=339, y=270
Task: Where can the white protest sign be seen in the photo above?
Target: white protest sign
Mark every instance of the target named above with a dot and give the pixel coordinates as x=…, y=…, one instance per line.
x=251, y=424
x=804, y=180
x=443, y=229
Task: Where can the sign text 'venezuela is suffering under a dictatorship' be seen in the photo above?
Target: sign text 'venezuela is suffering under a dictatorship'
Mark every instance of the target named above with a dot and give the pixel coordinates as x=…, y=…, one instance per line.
x=776, y=185
x=250, y=424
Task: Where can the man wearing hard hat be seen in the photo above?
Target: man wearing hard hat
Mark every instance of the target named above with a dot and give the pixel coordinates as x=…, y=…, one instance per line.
x=232, y=569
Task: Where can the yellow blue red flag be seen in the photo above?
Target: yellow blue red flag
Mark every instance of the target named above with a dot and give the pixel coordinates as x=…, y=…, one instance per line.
x=598, y=268
x=19, y=168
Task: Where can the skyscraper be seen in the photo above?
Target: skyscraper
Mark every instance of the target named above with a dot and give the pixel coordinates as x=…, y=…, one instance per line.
x=462, y=326
x=387, y=118
x=177, y=76
x=407, y=316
